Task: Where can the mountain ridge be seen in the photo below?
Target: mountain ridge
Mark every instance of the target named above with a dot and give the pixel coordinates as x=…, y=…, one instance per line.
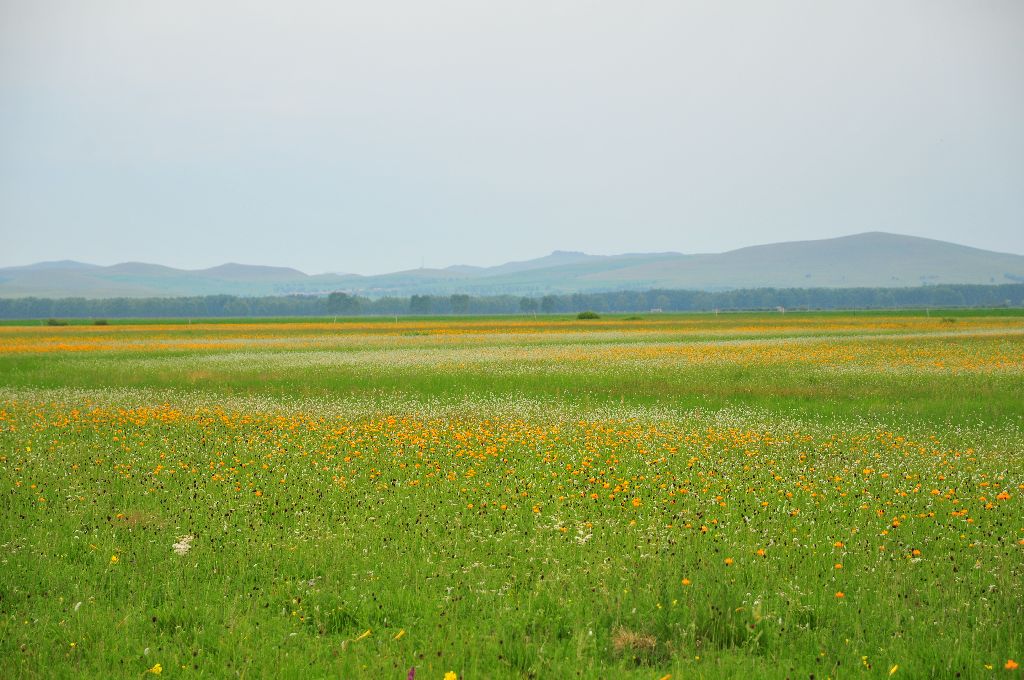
x=869, y=259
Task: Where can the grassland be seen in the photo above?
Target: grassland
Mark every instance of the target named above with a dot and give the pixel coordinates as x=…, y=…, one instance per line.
x=826, y=495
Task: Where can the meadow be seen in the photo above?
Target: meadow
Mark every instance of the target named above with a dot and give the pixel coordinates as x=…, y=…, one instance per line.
x=789, y=495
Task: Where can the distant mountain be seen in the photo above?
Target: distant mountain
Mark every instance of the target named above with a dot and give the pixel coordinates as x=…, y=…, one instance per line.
x=557, y=258
x=247, y=272
x=139, y=279
x=872, y=259
x=56, y=264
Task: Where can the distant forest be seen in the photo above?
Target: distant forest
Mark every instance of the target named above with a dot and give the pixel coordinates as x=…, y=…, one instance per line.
x=344, y=304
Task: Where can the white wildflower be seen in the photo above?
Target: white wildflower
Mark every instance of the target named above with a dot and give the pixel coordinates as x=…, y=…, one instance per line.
x=183, y=545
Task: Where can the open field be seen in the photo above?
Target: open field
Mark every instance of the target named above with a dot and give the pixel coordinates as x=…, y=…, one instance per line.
x=798, y=495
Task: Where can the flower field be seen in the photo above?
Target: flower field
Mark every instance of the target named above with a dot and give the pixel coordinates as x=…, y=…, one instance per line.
x=799, y=495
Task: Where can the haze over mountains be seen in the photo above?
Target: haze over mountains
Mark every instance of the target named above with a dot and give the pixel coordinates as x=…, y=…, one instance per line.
x=874, y=259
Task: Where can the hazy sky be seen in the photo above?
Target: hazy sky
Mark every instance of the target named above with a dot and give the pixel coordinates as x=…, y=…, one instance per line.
x=373, y=136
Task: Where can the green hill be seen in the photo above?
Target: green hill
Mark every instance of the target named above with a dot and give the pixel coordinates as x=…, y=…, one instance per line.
x=871, y=260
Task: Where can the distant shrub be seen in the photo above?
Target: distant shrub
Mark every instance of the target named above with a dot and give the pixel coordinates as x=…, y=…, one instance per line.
x=56, y=322
x=588, y=315
x=948, y=319
x=634, y=318
x=100, y=322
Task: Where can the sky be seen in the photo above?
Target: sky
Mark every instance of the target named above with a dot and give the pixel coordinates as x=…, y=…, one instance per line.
x=367, y=137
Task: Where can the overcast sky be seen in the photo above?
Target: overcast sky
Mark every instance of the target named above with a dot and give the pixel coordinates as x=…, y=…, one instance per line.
x=376, y=136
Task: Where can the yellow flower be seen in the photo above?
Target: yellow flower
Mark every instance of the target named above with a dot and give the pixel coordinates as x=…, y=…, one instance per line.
x=113, y=559
x=728, y=561
x=687, y=581
x=894, y=669
x=450, y=675
x=157, y=669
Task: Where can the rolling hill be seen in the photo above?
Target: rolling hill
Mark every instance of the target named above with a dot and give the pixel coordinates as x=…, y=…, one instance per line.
x=872, y=259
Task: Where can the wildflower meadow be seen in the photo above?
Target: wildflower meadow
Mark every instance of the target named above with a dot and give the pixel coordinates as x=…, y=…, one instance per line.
x=799, y=495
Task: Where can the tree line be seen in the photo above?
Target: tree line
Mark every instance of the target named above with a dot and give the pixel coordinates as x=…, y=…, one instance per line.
x=345, y=304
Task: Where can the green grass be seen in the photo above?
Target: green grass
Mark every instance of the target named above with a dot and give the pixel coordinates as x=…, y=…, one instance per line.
x=366, y=502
